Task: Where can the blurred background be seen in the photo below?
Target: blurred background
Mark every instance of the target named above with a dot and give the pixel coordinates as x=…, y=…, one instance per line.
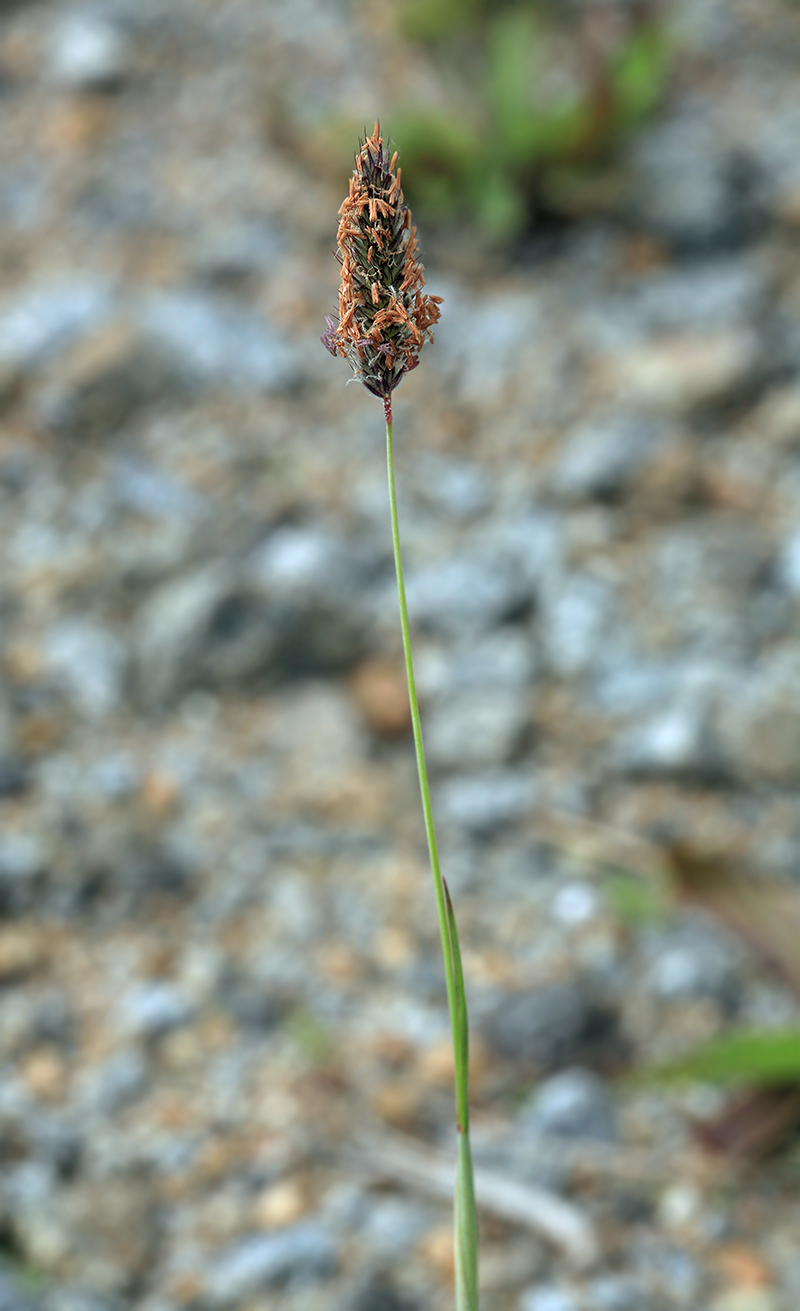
x=225, y=1060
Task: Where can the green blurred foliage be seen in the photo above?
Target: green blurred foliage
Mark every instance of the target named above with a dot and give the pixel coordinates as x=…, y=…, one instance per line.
x=534, y=105
x=755, y=1058
x=637, y=902
x=309, y=1036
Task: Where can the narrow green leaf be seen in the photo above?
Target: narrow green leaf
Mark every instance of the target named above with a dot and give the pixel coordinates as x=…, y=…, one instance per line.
x=746, y=1056
x=466, y=1230
x=461, y=1054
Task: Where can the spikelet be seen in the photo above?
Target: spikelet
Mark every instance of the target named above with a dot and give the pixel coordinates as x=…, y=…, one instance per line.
x=384, y=317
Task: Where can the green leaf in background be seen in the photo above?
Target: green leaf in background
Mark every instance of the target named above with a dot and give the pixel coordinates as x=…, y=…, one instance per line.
x=499, y=204
x=431, y=20
x=500, y=140
x=312, y=1039
x=441, y=156
x=514, y=50
x=636, y=901
x=639, y=75
x=746, y=1057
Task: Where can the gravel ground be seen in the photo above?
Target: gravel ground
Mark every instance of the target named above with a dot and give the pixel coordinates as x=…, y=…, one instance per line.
x=224, y=1069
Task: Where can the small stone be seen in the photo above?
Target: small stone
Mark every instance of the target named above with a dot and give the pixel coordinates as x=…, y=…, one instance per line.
x=281, y=1205
x=483, y=803
x=700, y=295
x=551, y=1027
x=453, y=487
x=146, y=489
x=46, y=318
x=101, y=1231
x=617, y=1293
x=681, y=374
x=154, y=1009
x=689, y=187
x=464, y=596
x=46, y=1074
x=573, y=620
x=22, y=952
x=121, y=1080
x=759, y=727
x=14, y=777
x=87, y=54
x=675, y=743
x=575, y=903
x=394, y=1226
x=22, y=866
x=679, y=1206
x=76, y=1298
x=573, y=1104
x=379, y=1293
x=381, y=694
x=209, y=344
x=602, y=459
x=696, y=962
x=548, y=1297
x=202, y=629
x=505, y=658
x=89, y=661
x=745, y=1299
x=485, y=344
x=219, y=627
x=437, y=1249
x=103, y=382
x=255, y=1264
x=789, y=564
x=476, y=730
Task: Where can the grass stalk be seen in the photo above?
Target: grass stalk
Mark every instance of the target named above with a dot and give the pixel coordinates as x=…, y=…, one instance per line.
x=465, y=1215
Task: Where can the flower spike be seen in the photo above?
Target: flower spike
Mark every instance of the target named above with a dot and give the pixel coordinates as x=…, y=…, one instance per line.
x=384, y=317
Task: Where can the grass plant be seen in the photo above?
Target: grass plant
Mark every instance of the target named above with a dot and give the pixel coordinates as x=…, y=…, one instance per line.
x=534, y=101
x=384, y=319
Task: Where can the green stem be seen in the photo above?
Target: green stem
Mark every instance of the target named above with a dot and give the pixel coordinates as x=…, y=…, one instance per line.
x=466, y=1226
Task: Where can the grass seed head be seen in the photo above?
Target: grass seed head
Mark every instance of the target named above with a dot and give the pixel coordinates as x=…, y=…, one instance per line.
x=384, y=317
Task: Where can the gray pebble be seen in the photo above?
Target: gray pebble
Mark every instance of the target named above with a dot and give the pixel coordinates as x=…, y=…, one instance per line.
x=550, y=1027
x=87, y=53
x=759, y=726
x=483, y=803
x=151, y=1010
x=573, y=1104
x=573, y=621
x=203, y=628
x=255, y=1264
x=685, y=186
x=548, y=1297
x=222, y=626
x=602, y=458
x=213, y=344
x=675, y=743
x=464, y=595
x=617, y=1293
x=476, y=730
x=378, y=1293
x=699, y=295
x=394, y=1225
x=46, y=317
x=22, y=865
x=696, y=961
x=89, y=661
x=119, y=1081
